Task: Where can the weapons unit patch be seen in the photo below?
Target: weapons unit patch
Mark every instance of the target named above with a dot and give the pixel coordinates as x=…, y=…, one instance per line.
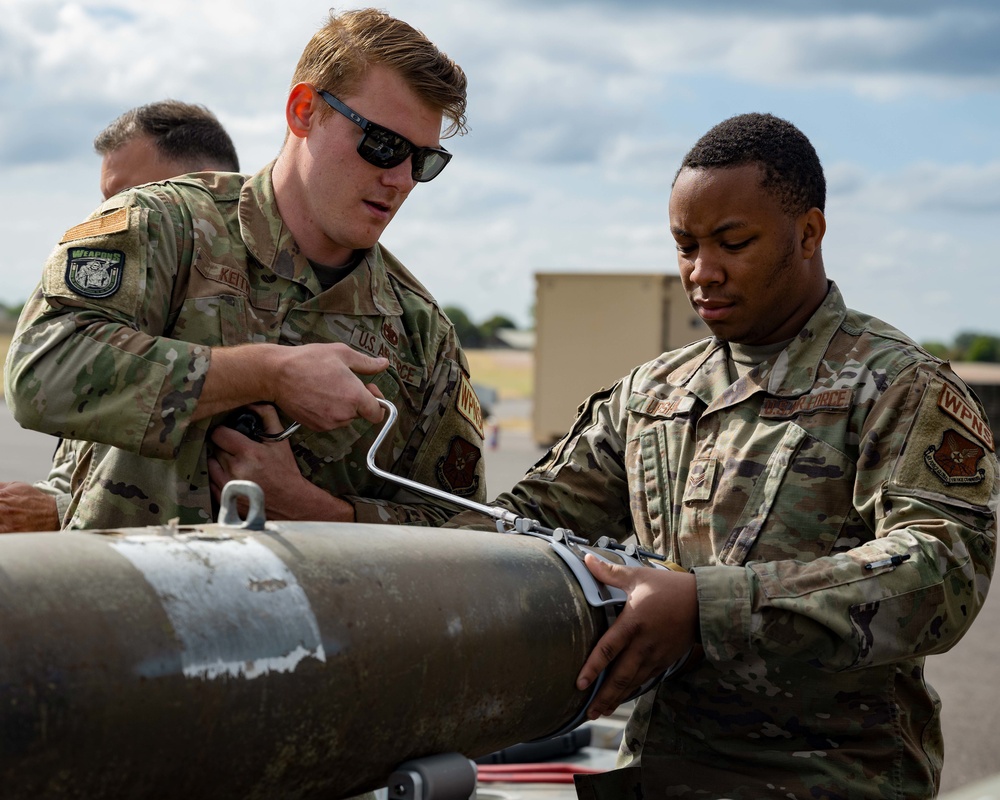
x=956, y=459
x=94, y=273
x=956, y=407
x=456, y=470
x=468, y=405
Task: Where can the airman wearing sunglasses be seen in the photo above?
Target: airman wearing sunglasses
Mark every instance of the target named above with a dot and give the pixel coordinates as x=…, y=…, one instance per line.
x=180, y=301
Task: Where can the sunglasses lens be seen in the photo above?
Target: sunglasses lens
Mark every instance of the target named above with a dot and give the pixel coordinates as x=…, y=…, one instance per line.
x=427, y=164
x=383, y=148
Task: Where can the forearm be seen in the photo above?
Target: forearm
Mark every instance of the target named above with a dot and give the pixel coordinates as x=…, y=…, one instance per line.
x=388, y=512
x=78, y=375
x=26, y=508
x=309, y=502
x=61, y=498
x=855, y=609
x=239, y=376
x=581, y=483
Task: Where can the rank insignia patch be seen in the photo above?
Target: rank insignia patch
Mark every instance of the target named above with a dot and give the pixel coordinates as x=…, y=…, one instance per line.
x=456, y=470
x=956, y=460
x=94, y=273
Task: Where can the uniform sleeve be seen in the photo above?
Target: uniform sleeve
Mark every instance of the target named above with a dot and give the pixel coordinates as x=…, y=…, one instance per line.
x=581, y=483
x=926, y=485
x=89, y=359
x=58, y=483
x=444, y=448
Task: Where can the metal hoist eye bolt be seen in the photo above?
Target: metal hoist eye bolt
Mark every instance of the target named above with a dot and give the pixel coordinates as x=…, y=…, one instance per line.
x=230, y=515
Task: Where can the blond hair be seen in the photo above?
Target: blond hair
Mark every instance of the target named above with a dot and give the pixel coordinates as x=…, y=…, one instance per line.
x=340, y=52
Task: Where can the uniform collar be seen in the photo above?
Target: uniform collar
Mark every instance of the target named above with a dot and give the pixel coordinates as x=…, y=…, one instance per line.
x=791, y=373
x=795, y=369
x=365, y=291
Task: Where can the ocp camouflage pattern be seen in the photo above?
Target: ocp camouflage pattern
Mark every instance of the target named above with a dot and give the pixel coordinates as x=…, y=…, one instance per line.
x=58, y=484
x=780, y=490
x=207, y=263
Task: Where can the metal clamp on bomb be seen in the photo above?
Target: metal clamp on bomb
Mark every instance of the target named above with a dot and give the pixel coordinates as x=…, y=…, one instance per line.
x=568, y=546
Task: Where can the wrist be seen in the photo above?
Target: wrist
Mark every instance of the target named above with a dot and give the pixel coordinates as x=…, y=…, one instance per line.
x=316, y=504
x=697, y=609
x=266, y=371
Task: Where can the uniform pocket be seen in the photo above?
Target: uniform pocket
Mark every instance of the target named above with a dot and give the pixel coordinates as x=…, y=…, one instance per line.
x=798, y=504
x=212, y=321
x=663, y=439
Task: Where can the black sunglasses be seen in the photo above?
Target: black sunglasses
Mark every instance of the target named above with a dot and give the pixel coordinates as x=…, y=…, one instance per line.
x=386, y=149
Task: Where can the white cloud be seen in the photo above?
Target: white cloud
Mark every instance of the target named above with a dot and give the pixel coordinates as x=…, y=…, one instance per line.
x=579, y=114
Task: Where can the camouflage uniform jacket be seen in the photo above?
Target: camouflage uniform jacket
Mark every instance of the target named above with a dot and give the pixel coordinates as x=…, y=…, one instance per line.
x=787, y=493
x=114, y=347
x=58, y=483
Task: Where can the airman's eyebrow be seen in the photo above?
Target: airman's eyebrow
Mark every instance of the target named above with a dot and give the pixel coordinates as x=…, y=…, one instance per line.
x=723, y=228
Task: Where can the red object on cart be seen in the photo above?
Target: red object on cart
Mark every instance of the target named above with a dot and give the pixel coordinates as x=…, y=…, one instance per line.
x=531, y=773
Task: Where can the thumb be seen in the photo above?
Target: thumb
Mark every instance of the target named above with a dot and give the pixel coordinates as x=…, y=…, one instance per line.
x=364, y=364
x=269, y=416
x=610, y=574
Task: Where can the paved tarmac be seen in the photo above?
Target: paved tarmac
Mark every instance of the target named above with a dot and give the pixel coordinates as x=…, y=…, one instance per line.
x=966, y=677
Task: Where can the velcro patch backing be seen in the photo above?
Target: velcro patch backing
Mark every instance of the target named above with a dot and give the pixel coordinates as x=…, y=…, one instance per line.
x=108, y=271
x=942, y=456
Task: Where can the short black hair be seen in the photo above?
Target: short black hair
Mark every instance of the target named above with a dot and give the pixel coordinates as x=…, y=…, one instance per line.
x=183, y=132
x=792, y=170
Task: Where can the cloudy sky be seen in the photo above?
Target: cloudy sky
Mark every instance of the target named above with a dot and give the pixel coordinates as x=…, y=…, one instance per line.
x=579, y=113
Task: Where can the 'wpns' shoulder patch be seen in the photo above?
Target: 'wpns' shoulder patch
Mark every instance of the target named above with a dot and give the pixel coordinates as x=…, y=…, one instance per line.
x=468, y=406
x=456, y=470
x=947, y=452
x=94, y=273
x=956, y=407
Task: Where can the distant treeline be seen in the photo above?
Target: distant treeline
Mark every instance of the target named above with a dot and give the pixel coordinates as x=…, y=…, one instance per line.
x=968, y=346
x=471, y=335
x=8, y=317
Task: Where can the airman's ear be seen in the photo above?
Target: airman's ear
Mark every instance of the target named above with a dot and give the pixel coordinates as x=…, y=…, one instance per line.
x=812, y=227
x=300, y=109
